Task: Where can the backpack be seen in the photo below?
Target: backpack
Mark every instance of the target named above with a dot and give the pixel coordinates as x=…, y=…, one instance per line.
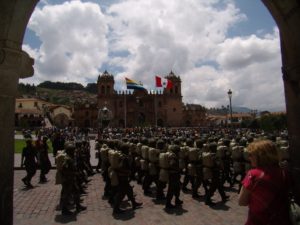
x=208, y=159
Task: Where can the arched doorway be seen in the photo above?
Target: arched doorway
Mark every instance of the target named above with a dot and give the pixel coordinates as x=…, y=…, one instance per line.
x=121, y=123
x=141, y=119
x=187, y=123
x=160, y=123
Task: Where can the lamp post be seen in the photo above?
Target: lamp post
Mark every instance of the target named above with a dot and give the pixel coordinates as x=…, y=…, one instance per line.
x=230, y=106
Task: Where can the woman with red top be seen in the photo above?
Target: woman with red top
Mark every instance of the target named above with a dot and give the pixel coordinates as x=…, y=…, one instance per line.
x=265, y=187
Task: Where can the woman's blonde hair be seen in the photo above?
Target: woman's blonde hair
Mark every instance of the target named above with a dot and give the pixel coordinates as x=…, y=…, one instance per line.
x=265, y=152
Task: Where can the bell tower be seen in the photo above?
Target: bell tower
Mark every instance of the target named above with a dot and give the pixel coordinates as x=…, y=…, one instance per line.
x=105, y=84
x=173, y=101
x=176, y=88
x=106, y=92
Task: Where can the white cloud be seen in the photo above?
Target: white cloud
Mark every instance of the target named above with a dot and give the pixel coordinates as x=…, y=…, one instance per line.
x=74, y=43
x=188, y=36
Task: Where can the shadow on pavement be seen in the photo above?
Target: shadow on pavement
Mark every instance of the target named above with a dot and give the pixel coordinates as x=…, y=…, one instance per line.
x=159, y=202
x=65, y=219
x=126, y=215
x=177, y=211
x=220, y=206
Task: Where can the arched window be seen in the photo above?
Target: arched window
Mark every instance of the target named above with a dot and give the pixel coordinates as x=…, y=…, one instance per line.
x=141, y=103
x=108, y=89
x=176, y=89
x=102, y=90
x=159, y=104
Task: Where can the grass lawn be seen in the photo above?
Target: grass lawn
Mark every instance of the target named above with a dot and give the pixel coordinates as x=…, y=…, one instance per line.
x=20, y=144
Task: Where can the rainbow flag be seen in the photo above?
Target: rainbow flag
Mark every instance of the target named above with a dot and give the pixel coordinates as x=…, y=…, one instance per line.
x=131, y=84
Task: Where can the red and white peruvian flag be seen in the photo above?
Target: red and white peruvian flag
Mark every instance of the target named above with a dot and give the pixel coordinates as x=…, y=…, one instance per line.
x=162, y=82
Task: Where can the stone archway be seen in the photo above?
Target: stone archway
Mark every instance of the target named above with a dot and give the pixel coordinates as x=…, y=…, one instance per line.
x=15, y=64
x=287, y=16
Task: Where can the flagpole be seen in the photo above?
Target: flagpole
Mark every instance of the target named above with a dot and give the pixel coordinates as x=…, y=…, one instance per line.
x=155, y=108
x=125, y=110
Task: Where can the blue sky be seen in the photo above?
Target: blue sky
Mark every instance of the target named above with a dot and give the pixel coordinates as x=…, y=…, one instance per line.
x=213, y=45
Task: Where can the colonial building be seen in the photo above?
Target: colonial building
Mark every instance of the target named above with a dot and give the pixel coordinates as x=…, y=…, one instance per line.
x=144, y=108
x=85, y=114
x=32, y=112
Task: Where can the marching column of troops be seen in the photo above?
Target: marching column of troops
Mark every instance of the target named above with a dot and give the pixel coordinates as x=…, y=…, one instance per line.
x=211, y=160
x=170, y=161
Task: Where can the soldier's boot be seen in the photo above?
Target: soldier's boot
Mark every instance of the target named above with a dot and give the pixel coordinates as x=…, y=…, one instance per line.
x=178, y=202
x=208, y=201
x=80, y=208
x=117, y=210
x=225, y=198
x=186, y=180
x=169, y=205
x=136, y=204
x=66, y=212
x=196, y=195
x=25, y=181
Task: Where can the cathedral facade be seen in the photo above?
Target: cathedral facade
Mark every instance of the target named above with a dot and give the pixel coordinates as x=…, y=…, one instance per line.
x=138, y=108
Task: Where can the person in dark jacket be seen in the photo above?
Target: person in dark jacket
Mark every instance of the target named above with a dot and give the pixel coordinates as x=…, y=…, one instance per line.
x=44, y=160
x=29, y=159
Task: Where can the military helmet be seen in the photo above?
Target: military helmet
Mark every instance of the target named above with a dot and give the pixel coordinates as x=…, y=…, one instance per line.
x=124, y=147
x=160, y=144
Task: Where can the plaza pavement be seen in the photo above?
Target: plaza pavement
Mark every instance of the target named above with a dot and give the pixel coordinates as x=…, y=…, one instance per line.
x=38, y=206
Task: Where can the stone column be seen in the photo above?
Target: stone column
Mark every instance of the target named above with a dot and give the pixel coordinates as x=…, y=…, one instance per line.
x=287, y=16
x=12, y=64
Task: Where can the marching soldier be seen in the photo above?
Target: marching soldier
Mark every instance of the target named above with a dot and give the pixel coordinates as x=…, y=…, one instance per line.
x=174, y=179
x=216, y=181
x=199, y=171
x=69, y=183
x=188, y=178
x=160, y=186
x=124, y=187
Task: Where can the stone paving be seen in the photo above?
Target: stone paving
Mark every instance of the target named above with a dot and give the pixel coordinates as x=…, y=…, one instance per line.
x=38, y=206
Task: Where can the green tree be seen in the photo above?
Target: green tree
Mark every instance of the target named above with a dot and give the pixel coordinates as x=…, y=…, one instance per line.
x=92, y=88
x=271, y=122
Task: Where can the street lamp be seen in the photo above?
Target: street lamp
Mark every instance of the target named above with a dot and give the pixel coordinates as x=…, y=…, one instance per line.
x=230, y=106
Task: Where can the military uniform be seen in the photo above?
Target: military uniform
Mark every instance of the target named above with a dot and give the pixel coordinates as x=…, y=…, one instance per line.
x=69, y=183
x=124, y=187
x=216, y=181
x=174, y=180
